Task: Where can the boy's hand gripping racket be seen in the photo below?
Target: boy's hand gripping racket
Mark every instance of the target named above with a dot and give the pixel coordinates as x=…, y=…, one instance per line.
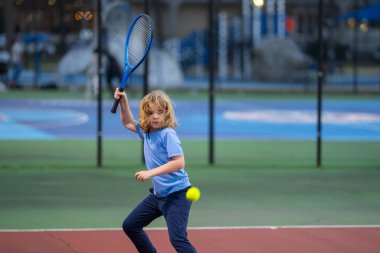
x=137, y=46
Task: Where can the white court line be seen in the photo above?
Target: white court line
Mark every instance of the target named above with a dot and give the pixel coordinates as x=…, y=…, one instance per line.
x=194, y=228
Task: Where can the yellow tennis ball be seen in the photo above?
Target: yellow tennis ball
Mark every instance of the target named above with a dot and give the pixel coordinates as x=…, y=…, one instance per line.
x=193, y=194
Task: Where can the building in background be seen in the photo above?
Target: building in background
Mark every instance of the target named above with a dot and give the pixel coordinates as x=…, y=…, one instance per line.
x=180, y=21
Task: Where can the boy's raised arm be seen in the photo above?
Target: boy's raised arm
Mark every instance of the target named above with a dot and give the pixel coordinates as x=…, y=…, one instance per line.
x=126, y=115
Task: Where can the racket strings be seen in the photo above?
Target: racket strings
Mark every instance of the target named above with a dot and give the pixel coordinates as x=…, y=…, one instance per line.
x=139, y=41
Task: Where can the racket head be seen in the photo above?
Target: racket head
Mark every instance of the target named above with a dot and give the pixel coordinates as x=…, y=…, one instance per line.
x=138, y=42
x=137, y=45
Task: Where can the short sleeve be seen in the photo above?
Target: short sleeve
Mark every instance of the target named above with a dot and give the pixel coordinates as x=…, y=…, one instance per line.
x=173, y=144
x=139, y=131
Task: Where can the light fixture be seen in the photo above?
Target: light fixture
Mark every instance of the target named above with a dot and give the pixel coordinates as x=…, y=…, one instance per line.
x=258, y=3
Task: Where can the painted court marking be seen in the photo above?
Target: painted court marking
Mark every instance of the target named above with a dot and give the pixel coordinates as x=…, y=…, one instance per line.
x=198, y=228
x=302, y=116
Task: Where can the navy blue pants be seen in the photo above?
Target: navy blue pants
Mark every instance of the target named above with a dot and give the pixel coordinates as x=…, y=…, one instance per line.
x=175, y=208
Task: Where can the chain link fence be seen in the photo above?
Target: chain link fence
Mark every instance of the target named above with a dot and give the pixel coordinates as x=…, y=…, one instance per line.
x=265, y=76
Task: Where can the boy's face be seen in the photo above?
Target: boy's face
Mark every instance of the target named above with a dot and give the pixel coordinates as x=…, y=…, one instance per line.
x=156, y=118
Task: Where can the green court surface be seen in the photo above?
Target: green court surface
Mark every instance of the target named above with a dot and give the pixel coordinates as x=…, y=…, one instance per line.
x=56, y=184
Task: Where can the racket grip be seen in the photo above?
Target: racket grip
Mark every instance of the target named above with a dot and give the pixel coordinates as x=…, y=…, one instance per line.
x=116, y=103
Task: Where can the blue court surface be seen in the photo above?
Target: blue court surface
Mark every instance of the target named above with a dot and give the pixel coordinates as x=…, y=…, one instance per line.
x=256, y=120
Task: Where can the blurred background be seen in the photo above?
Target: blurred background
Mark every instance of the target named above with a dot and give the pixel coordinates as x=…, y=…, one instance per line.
x=267, y=57
x=249, y=34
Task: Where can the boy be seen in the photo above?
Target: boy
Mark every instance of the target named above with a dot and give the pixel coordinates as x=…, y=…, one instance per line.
x=165, y=164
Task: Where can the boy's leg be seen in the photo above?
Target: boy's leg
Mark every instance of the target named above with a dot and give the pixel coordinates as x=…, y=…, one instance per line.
x=139, y=218
x=176, y=211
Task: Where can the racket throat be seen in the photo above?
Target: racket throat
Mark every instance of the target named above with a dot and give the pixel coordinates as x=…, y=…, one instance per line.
x=124, y=80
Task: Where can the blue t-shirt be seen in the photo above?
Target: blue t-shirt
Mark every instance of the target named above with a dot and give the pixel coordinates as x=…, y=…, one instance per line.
x=159, y=147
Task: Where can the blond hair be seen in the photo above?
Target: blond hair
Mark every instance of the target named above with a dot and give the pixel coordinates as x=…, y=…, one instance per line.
x=161, y=101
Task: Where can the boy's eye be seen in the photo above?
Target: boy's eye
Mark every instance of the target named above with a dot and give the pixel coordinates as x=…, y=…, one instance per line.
x=160, y=112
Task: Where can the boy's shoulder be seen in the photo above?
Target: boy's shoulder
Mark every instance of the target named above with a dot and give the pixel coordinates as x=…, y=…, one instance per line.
x=167, y=130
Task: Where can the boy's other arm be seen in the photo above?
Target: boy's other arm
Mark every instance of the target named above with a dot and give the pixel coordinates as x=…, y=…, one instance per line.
x=175, y=163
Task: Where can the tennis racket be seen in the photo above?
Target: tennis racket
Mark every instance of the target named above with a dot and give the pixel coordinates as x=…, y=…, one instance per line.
x=137, y=46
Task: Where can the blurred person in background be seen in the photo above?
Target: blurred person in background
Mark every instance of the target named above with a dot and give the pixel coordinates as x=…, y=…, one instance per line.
x=91, y=90
x=17, y=52
x=4, y=64
x=113, y=72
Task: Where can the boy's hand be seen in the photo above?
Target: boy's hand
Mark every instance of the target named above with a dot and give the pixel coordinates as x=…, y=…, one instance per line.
x=143, y=175
x=119, y=94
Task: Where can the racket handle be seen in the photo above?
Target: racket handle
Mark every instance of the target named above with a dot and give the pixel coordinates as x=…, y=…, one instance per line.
x=116, y=103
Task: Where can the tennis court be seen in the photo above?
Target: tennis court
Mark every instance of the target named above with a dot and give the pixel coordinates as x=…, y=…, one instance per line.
x=280, y=120
x=79, y=209
x=66, y=185
x=55, y=200
x=224, y=240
